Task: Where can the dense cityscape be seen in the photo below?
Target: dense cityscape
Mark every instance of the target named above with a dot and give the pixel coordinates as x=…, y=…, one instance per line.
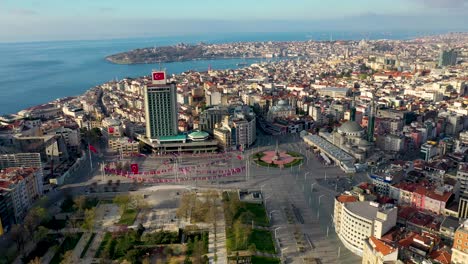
x=321, y=152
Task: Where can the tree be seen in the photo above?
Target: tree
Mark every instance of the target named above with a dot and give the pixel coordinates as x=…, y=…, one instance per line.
x=34, y=217
x=198, y=251
x=241, y=233
x=140, y=230
x=80, y=203
x=90, y=215
x=36, y=260
x=186, y=205
x=138, y=202
x=40, y=233
x=123, y=200
x=252, y=249
x=74, y=222
x=17, y=234
x=67, y=257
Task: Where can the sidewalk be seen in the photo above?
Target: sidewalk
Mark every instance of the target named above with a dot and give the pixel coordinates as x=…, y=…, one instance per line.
x=218, y=246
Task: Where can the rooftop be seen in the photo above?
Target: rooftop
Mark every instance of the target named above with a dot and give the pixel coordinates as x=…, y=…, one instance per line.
x=346, y=199
x=366, y=209
x=381, y=246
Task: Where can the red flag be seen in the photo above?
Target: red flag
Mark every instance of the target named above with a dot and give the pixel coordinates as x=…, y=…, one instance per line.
x=93, y=149
x=134, y=168
x=159, y=76
x=239, y=157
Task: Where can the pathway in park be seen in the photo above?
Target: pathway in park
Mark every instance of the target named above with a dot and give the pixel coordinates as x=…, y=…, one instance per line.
x=218, y=246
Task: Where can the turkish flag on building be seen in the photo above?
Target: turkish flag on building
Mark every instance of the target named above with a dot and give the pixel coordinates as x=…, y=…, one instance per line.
x=111, y=130
x=159, y=76
x=134, y=168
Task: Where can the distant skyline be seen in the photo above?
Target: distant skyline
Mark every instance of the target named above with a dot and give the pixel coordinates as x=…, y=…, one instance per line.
x=38, y=20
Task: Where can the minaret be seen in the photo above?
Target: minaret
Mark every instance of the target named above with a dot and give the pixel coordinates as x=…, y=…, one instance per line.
x=353, y=108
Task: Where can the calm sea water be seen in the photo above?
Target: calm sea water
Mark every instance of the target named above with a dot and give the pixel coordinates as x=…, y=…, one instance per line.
x=38, y=72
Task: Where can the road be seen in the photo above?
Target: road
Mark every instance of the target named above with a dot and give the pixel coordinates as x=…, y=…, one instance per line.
x=308, y=189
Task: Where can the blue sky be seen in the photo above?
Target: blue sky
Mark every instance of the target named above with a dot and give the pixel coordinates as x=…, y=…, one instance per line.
x=22, y=20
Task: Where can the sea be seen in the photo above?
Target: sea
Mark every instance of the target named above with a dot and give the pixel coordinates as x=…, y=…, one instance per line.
x=34, y=73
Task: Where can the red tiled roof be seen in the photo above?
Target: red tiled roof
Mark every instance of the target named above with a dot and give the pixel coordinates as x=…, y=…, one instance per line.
x=441, y=256
x=382, y=247
x=346, y=199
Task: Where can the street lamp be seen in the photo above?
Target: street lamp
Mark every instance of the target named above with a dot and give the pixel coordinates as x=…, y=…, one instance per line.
x=265, y=201
x=276, y=230
x=312, y=187
x=320, y=197
x=305, y=175
x=270, y=214
x=318, y=208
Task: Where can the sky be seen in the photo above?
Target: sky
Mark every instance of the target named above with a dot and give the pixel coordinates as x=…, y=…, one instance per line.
x=38, y=20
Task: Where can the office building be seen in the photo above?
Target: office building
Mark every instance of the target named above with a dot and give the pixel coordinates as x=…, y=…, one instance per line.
x=160, y=108
x=448, y=58
x=356, y=221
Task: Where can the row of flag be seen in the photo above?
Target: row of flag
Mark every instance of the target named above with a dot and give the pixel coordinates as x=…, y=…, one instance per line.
x=172, y=180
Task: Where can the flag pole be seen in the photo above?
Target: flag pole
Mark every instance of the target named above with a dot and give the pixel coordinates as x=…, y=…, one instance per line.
x=90, y=158
x=89, y=148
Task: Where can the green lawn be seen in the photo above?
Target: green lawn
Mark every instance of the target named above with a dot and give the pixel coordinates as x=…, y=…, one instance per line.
x=294, y=163
x=258, y=212
x=128, y=217
x=264, y=260
x=68, y=244
x=263, y=240
x=294, y=154
x=259, y=155
x=106, y=238
x=88, y=243
x=264, y=164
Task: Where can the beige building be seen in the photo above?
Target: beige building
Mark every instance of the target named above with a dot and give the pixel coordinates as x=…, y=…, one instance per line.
x=357, y=221
x=22, y=184
x=223, y=135
x=124, y=146
x=378, y=252
x=460, y=245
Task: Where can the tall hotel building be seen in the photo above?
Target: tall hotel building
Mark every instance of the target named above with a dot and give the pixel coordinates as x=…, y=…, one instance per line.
x=160, y=107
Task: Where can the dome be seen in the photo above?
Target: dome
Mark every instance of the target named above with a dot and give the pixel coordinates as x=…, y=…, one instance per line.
x=282, y=102
x=198, y=135
x=350, y=127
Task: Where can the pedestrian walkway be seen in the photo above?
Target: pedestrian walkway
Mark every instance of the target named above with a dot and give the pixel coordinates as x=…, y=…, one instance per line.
x=89, y=257
x=217, y=242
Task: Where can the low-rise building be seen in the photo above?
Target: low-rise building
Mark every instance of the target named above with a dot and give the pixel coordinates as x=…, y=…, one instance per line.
x=378, y=252
x=360, y=220
x=460, y=245
x=124, y=146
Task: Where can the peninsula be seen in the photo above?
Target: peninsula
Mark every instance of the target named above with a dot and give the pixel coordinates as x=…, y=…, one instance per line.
x=179, y=52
